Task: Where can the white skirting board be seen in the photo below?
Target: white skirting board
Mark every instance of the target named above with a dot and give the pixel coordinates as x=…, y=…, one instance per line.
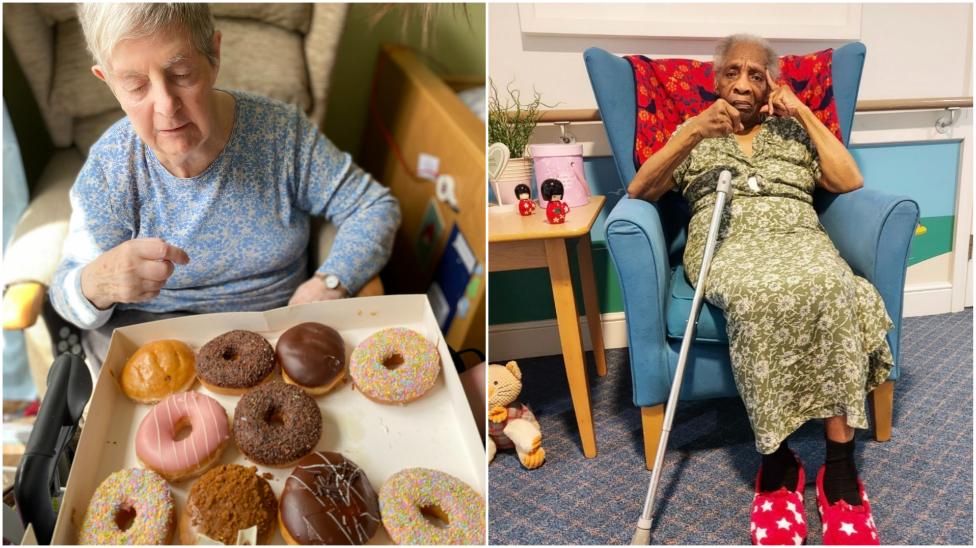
x=514, y=341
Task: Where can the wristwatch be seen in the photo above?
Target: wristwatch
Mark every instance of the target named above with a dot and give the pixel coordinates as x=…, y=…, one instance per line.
x=331, y=281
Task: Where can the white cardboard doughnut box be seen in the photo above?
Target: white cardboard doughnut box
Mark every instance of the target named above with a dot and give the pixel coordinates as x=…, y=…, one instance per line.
x=436, y=431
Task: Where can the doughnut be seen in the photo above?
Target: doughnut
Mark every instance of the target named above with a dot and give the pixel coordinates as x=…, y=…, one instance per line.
x=276, y=424
x=395, y=365
x=312, y=356
x=409, y=496
x=132, y=506
x=176, y=460
x=234, y=362
x=158, y=369
x=225, y=500
x=328, y=500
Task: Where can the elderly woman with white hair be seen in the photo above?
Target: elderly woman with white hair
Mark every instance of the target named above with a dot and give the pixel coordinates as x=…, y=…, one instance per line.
x=200, y=199
x=807, y=336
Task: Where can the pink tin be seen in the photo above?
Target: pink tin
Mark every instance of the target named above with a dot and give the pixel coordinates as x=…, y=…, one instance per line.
x=563, y=162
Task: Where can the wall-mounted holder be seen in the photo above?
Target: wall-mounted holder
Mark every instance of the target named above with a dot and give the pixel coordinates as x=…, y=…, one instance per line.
x=565, y=136
x=947, y=120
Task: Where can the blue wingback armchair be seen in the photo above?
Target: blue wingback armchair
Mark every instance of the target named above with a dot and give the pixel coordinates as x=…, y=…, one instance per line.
x=871, y=229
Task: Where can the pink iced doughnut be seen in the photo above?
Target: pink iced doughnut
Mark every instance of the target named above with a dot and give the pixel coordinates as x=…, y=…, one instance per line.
x=138, y=498
x=410, y=493
x=175, y=460
x=395, y=365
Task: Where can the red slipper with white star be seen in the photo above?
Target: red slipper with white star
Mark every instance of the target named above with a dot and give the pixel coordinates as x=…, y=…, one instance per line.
x=843, y=523
x=777, y=516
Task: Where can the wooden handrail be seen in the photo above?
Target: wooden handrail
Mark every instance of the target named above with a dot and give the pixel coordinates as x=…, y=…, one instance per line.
x=869, y=105
x=933, y=103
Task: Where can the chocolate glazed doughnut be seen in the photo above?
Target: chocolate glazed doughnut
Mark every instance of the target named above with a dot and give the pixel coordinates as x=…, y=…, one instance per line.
x=276, y=424
x=312, y=356
x=234, y=362
x=328, y=500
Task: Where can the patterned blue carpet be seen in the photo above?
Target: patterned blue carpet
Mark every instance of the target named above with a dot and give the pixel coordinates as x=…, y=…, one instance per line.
x=920, y=483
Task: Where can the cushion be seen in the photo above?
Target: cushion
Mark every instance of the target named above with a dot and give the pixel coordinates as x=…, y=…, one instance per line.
x=256, y=57
x=711, y=320
x=296, y=17
x=58, y=12
x=75, y=91
x=669, y=91
x=87, y=130
x=293, y=17
x=263, y=59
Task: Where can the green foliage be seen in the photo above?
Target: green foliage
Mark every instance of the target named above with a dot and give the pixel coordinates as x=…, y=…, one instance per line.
x=513, y=122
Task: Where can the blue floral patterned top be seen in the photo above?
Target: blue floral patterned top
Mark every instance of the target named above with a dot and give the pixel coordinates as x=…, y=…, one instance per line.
x=244, y=221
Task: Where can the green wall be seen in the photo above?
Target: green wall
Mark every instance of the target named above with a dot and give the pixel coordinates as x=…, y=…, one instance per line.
x=455, y=46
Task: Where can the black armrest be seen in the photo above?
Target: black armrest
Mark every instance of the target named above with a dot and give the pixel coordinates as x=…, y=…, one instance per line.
x=69, y=386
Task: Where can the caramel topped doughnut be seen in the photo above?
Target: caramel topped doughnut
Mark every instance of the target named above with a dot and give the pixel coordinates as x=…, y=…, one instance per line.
x=313, y=356
x=225, y=500
x=158, y=369
x=328, y=500
x=235, y=361
x=276, y=424
x=395, y=365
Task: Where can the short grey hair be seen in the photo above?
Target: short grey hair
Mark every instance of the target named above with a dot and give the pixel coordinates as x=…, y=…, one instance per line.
x=105, y=25
x=726, y=44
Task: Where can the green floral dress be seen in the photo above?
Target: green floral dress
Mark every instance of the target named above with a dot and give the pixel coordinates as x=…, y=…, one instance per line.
x=807, y=336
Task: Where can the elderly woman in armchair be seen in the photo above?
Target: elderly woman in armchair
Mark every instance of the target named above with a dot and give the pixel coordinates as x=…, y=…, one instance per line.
x=807, y=336
x=200, y=199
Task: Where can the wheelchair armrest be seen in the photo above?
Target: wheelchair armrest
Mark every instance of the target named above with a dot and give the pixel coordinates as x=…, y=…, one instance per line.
x=22, y=304
x=873, y=232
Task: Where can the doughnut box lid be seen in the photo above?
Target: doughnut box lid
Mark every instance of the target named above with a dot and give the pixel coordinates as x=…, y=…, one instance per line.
x=436, y=431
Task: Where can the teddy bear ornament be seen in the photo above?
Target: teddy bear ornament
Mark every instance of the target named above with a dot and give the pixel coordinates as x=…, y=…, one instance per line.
x=511, y=425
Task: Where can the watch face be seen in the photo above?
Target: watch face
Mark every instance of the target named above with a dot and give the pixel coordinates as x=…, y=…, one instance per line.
x=332, y=281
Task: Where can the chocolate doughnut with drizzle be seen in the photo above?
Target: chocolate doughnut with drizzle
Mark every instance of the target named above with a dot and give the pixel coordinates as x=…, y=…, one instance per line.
x=328, y=500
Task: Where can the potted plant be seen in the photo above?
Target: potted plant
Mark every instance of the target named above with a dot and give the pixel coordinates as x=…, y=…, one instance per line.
x=511, y=123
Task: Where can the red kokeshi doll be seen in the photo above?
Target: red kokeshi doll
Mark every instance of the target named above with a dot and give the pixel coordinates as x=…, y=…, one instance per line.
x=525, y=206
x=552, y=192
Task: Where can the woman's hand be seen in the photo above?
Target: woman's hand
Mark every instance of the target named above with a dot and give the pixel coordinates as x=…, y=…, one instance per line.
x=314, y=290
x=718, y=120
x=130, y=272
x=781, y=100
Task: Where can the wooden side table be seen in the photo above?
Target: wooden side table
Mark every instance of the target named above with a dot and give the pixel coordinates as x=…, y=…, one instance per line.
x=516, y=242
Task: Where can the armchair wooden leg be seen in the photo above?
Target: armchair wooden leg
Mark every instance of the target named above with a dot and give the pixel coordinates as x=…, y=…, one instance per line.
x=882, y=399
x=652, y=421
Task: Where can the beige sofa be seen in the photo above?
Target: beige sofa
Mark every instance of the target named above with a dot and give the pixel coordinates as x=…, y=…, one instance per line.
x=285, y=51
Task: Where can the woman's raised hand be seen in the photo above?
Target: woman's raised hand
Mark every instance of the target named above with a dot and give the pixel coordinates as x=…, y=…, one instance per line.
x=130, y=272
x=781, y=100
x=718, y=120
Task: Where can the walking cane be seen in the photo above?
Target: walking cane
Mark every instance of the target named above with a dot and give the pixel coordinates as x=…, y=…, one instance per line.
x=643, y=534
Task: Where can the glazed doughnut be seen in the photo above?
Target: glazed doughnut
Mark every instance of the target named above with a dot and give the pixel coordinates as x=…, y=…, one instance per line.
x=414, y=369
x=328, y=500
x=410, y=493
x=234, y=362
x=226, y=500
x=176, y=460
x=276, y=424
x=158, y=369
x=312, y=356
x=135, y=497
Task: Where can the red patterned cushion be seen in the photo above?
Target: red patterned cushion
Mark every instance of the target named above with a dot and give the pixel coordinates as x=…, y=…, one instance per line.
x=669, y=91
